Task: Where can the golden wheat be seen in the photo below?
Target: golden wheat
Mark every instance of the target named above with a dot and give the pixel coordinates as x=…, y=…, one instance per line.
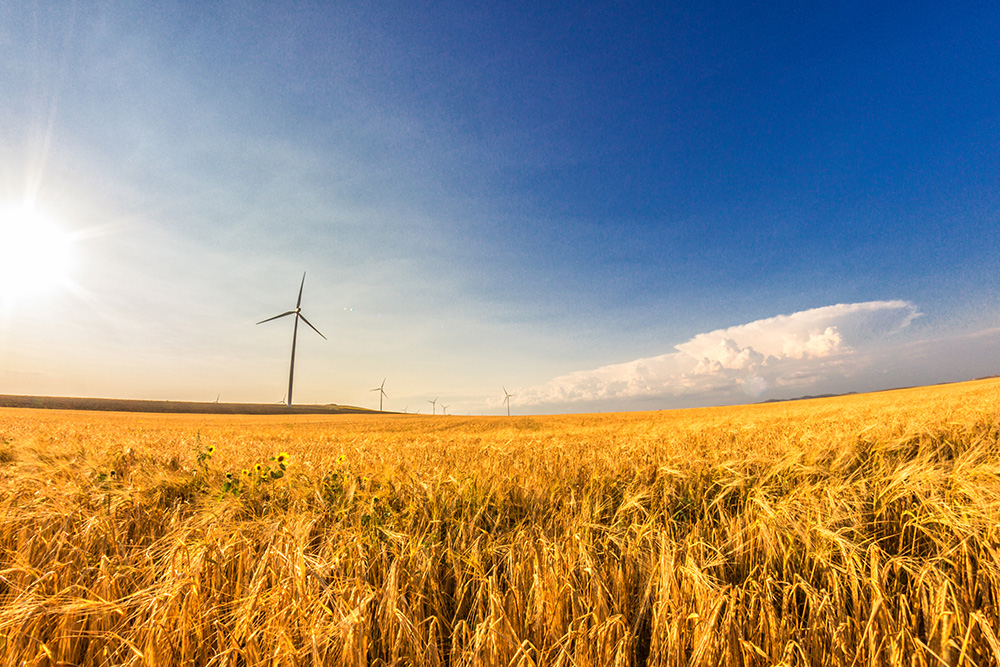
x=862, y=530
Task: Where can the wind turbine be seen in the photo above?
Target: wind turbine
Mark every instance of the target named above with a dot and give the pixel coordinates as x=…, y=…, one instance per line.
x=444, y=409
x=433, y=405
x=297, y=312
x=506, y=399
x=381, y=394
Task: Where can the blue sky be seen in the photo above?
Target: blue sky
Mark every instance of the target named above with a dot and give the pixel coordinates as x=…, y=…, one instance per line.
x=769, y=199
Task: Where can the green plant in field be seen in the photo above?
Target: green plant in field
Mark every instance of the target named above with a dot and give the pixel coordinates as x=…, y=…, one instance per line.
x=203, y=453
x=346, y=494
x=232, y=485
x=376, y=514
x=262, y=473
x=281, y=461
x=105, y=480
x=334, y=482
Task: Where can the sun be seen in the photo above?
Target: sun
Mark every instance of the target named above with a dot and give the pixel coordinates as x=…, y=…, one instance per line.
x=35, y=254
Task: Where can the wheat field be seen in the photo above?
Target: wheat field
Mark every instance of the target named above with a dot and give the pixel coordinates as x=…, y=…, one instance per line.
x=859, y=530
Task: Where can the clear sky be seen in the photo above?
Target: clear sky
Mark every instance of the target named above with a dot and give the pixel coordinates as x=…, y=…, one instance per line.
x=595, y=205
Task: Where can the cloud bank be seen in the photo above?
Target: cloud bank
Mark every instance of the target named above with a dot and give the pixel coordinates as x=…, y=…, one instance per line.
x=780, y=356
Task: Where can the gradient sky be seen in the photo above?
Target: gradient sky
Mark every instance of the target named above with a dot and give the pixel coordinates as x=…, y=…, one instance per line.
x=598, y=207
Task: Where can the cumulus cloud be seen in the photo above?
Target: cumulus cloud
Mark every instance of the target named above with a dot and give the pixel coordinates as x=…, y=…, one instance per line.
x=810, y=333
x=781, y=353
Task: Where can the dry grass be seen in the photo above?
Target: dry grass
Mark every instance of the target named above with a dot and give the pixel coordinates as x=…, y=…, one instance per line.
x=862, y=530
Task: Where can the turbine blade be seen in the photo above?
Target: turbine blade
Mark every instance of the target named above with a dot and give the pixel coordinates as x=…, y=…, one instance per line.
x=298, y=303
x=290, y=312
x=310, y=325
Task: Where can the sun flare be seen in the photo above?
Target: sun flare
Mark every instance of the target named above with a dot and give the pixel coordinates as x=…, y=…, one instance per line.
x=35, y=254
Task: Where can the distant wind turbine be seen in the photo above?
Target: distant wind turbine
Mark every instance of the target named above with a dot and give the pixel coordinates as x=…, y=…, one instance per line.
x=381, y=394
x=297, y=312
x=433, y=405
x=444, y=409
x=506, y=399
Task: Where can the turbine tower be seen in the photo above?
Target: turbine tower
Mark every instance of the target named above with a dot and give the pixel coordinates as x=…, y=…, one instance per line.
x=433, y=405
x=506, y=399
x=381, y=394
x=297, y=312
x=444, y=409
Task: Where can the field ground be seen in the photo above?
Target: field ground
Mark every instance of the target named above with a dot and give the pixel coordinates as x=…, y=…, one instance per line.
x=859, y=530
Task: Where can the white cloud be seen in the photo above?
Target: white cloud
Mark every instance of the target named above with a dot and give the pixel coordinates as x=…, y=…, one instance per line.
x=782, y=354
x=810, y=333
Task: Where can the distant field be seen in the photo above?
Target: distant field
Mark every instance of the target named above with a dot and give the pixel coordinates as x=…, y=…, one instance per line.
x=180, y=407
x=858, y=530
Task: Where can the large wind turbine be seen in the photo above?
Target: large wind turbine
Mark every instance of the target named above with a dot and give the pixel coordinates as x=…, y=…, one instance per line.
x=295, y=331
x=506, y=399
x=381, y=394
x=433, y=405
